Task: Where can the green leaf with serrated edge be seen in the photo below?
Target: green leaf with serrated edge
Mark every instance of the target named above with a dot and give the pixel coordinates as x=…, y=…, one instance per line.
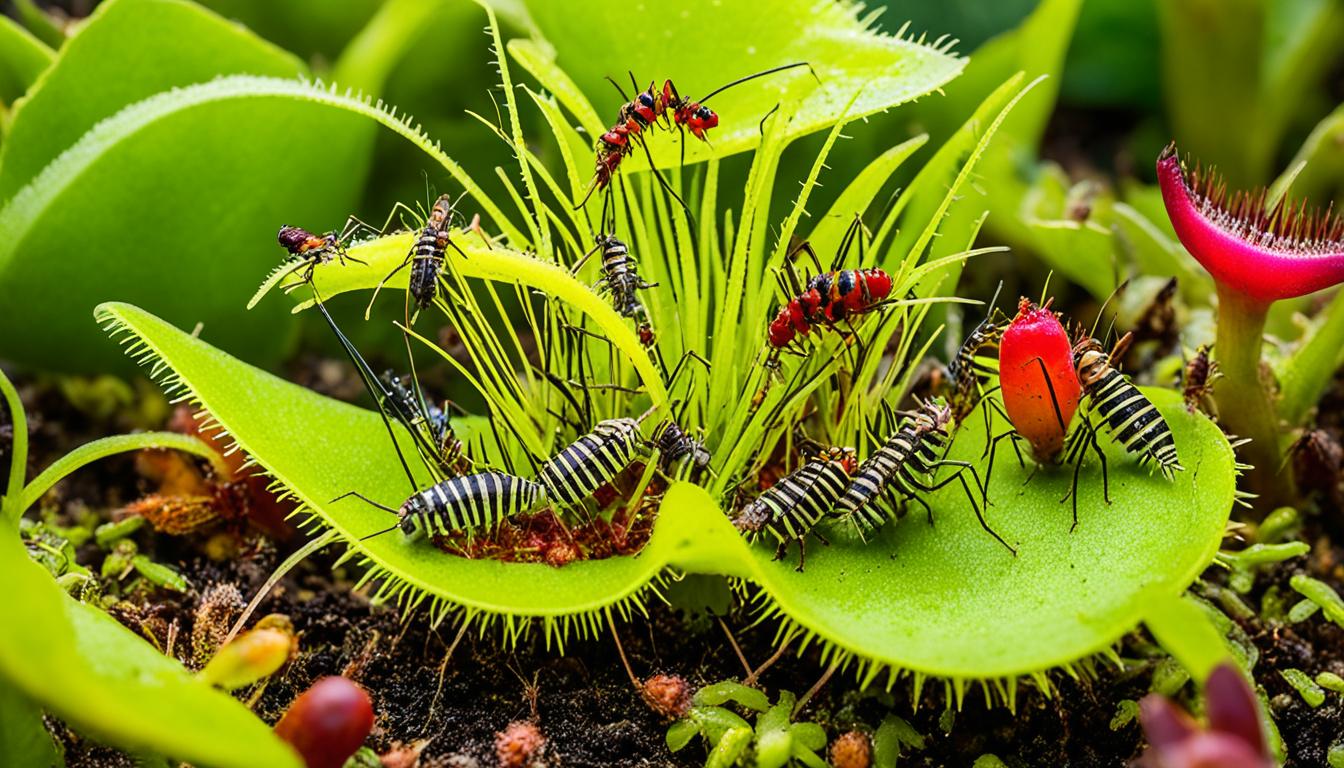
x=265, y=144
x=126, y=51
x=22, y=58
x=81, y=665
x=717, y=41
x=945, y=600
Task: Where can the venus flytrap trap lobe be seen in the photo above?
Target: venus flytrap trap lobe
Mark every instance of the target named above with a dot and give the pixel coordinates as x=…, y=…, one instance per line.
x=1258, y=251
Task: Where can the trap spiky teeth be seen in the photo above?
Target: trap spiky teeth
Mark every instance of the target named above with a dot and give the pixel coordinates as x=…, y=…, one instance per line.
x=1268, y=252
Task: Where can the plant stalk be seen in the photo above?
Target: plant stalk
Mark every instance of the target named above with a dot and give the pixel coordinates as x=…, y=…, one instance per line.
x=1245, y=399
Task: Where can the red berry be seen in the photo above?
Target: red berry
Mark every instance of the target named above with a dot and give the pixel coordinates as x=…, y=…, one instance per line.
x=328, y=722
x=1035, y=346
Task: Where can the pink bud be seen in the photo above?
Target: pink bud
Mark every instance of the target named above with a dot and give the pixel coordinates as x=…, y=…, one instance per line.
x=328, y=722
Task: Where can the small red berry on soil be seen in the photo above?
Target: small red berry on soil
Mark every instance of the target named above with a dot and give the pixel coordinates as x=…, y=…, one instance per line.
x=519, y=745
x=1035, y=340
x=668, y=695
x=328, y=722
x=851, y=750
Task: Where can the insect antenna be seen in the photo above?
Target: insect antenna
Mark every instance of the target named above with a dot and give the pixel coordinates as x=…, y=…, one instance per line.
x=1119, y=289
x=380, y=533
x=662, y=180
x=617, y=86
x=763, y=73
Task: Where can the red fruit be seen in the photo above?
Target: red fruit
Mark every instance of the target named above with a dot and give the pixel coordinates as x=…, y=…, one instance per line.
x=328, y=722
x=1034, y=339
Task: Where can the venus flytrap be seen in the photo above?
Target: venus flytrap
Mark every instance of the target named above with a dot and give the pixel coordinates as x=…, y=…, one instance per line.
x=1258, y=252
x=895, y=605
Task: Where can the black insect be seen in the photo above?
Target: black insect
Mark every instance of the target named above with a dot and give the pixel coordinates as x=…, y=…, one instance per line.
x=1127, y=413
x=903, y=467
x=427, y=254
x=407, y=398
x=678, y=449
x=590, y=462
x=1200, y=374
x=791, y=508
x=966, y=370
x=620, y=276
x=450, y=504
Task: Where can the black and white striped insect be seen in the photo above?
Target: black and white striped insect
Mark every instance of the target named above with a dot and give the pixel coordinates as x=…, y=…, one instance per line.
x=790, y=509
x=470, y=503
x=620, y=276
x=966, y=369
x=590, y=462
x=475, y=502
x=409, y=400
x=1128, y=415
x=677, y=449
x=427, y=254
x=903, y=467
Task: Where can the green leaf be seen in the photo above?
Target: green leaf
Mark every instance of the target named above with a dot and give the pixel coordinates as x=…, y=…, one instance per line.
x=704, y=44
x=1212, y=79
x=22, y=58
x=895, y=601
x=680, y=733
x=24, y=740
x=725, y=691
x=1182, y=628
x=82, y=666
x=1036, y=48
x=126, y=51
x=1321, y=161
x=1306, y=374
x=310, y=28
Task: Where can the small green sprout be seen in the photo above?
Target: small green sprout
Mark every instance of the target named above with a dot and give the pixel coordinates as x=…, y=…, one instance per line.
x=776, y=739
x=1321, y=594
x=1307, y=688
x=108, y=534
x=1330, y=682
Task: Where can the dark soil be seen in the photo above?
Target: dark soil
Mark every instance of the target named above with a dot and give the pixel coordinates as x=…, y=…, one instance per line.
x=583, y=702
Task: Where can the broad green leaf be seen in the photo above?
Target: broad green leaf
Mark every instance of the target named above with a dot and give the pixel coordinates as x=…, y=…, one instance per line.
x=944, y=599
x=1301, y=45
x=1306, y=374
x=24, y=740
x=81, y=665
x=1321, y=160
x=22, y=58
x=1182, y=628
x=173, y=202
x=128, y=50
x=314, y=29
x=1036, y=48
x=1082, y=251
x=1212, y=79
x=704, y=44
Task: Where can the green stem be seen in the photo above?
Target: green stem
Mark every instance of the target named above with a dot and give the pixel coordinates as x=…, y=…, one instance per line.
x=18, y=462
x=108, y=446
x=1245, y=402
